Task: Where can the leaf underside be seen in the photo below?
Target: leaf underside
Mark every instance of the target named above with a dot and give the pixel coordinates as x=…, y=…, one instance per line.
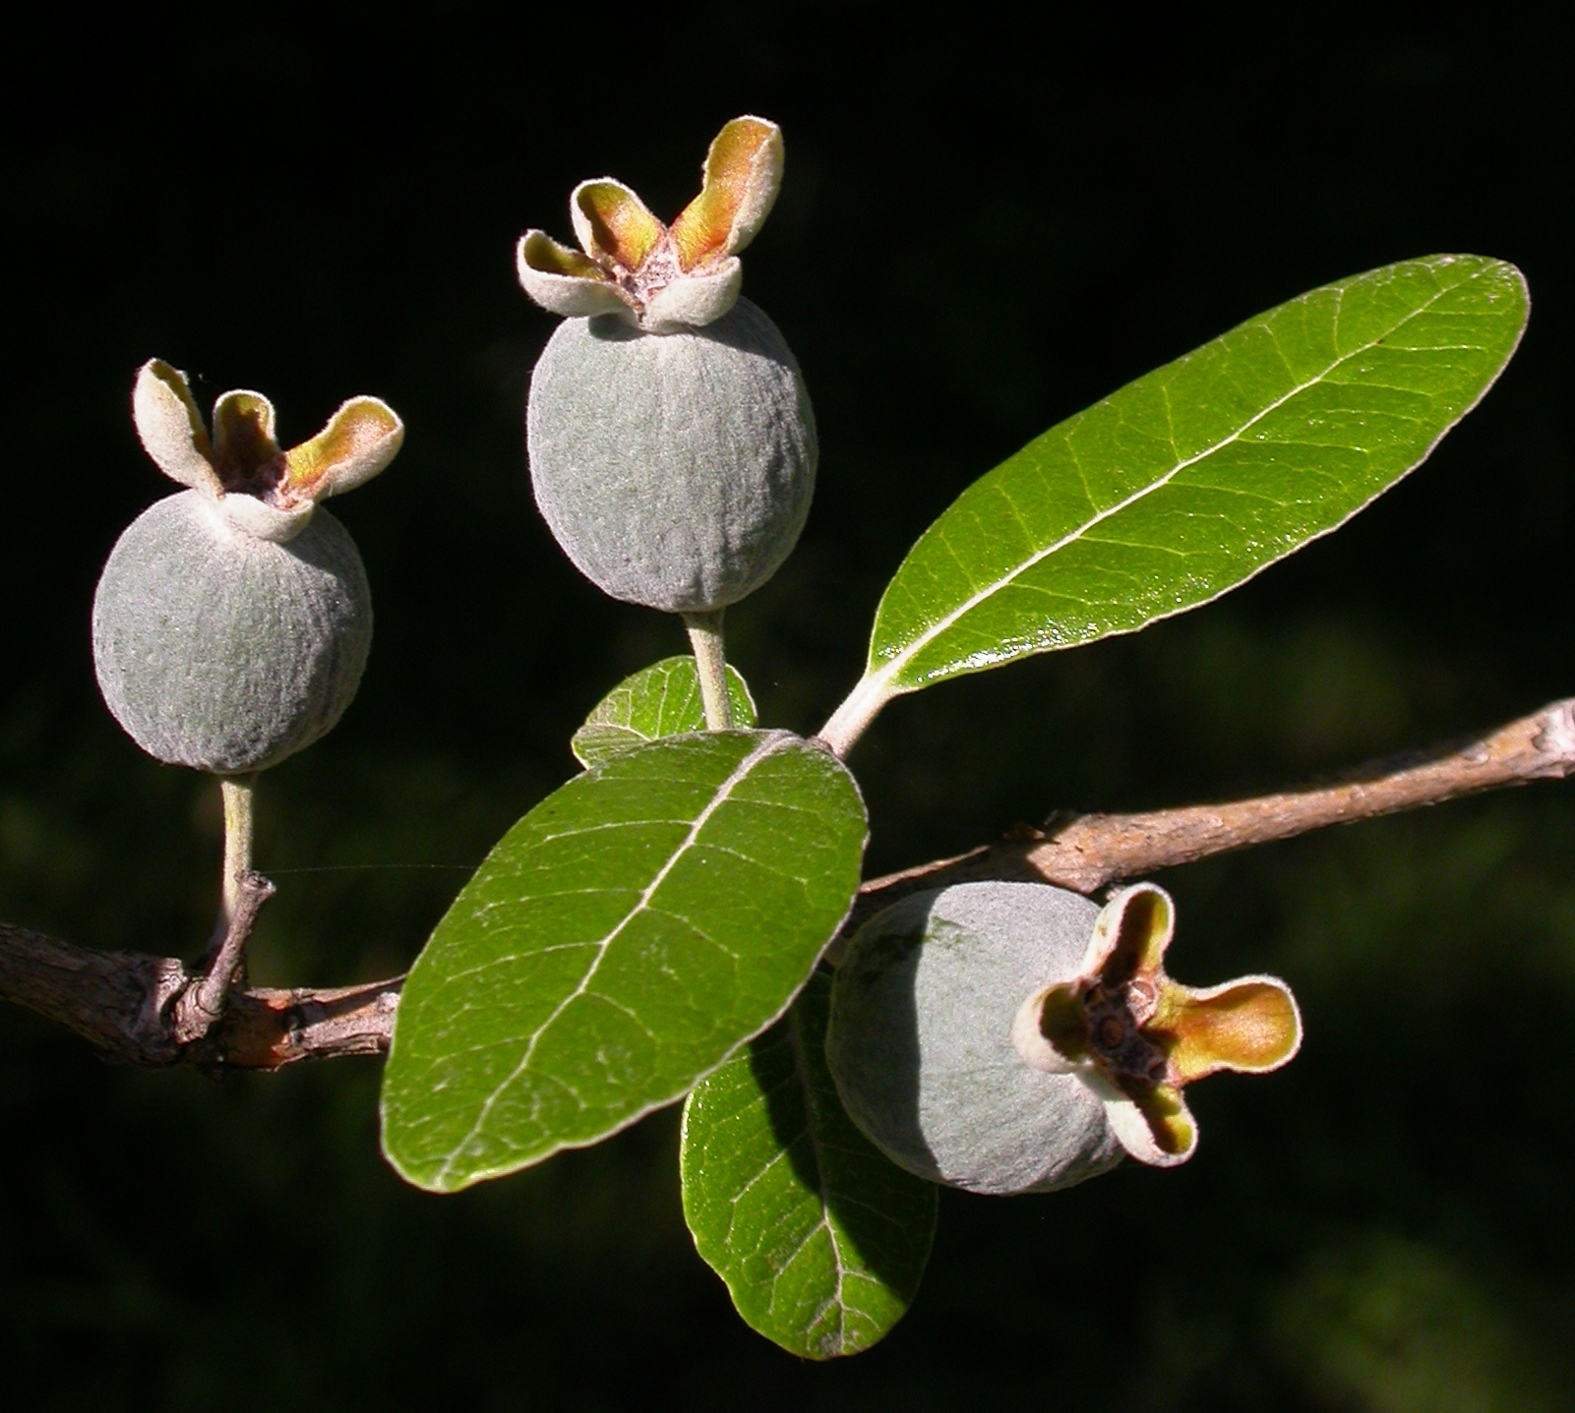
x=618, y=943
x=819, y=1237
x=660, y=700
x=1196, y=476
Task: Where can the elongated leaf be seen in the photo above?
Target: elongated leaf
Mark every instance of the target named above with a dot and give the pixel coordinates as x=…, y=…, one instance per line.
x=619, y=942
x=660, y=700
x=820, y=1238
x=1193, y=478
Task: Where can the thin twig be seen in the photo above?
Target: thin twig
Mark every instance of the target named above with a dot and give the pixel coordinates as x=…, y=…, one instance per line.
x=1086, y=852
x=202, y=1003
x=268, y=1029
x=127, y=1004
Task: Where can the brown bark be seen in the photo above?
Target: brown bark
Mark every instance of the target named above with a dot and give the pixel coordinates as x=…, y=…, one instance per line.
x=1086, y=852
x=128, y=1005
x=147, y=1010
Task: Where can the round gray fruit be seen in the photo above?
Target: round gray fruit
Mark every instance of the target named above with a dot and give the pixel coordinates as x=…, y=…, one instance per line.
x=920, y=1039
x=676, y=470
x=227, y=652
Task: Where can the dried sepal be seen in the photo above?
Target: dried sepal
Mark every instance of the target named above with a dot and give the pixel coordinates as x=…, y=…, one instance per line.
x=264, y=521
x=1134, y=931
x=564, y=282
x=1050, y=1031
x=742, y=176
x=359, y=440
x=170, y=427
x=1137, y=1037
x=1251, y=1025
x=266, y=492
x=1152, y=1122
x=245, y=451
x=660, y=279
x=696, y=300
x=612, y=224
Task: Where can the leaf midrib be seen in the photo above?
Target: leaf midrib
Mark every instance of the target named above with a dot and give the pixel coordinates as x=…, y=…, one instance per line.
x=821, y=1190
x=896, y=664
x=770, y=746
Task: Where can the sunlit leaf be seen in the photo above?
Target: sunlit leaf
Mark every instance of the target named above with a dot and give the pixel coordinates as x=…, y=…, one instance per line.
x=660, y=700
x=1196, y=476
x=820, y=1238
x=617, y=944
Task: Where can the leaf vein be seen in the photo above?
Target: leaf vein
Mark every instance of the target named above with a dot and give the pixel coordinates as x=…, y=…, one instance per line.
x=741, y=772
x=895, y=664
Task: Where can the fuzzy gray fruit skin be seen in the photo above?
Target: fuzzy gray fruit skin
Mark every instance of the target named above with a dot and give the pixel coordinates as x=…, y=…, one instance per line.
x=223, y=651
x=675, y=470
x=920, y=1039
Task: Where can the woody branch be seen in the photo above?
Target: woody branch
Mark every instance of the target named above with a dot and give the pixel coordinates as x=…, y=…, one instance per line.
x=1087, y=852
x=148, y=1010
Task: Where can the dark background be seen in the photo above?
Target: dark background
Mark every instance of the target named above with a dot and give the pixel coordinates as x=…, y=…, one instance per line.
x=986, y=225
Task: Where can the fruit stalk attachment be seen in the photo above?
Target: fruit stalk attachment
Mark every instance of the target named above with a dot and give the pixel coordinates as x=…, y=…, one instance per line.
x=232, y=621
x=237, y=792
x=705, y=637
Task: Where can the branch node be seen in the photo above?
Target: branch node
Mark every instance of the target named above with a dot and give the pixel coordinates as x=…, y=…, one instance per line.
x=1556, y=739
x=198, y=1008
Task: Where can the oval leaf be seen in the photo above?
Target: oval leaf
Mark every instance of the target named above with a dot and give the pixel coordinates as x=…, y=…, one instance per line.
x=1193, y=478
x=619, y=942
x=821, y=1239
x=660, y=700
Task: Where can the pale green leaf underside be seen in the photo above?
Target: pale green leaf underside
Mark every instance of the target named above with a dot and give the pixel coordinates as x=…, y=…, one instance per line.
x=1194, y=477
x=820, y=1238
x=618, y=943
x=660, y=700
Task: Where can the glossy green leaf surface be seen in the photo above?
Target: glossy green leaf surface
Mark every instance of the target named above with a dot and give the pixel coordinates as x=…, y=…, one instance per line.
x=618, y=943
x=660, y=700
x=820, y=1238
x=1196, y=476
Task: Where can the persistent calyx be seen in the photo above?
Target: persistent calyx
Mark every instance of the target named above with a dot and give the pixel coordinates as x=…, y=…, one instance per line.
x=672, y=444
x=232, y=620
x=1139, y=1038
x=262, y=489
x=660, y=278
x=945, y=1066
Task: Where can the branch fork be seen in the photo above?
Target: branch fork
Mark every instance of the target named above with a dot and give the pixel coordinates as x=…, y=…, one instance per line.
x=156, y=1012
x=200, y=1004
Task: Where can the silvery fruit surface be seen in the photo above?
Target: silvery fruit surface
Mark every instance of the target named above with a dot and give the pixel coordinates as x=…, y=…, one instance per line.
x=675, y=470
x=920, y=1039
x=223, y=651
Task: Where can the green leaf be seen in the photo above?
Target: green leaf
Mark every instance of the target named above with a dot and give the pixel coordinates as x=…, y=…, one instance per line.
x=820, y=1238
x=660, y=700
x=618, y=943
x=1193, y=478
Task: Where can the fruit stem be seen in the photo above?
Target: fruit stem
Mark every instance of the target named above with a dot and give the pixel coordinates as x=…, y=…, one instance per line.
x=705, y=637
x=237, y=793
